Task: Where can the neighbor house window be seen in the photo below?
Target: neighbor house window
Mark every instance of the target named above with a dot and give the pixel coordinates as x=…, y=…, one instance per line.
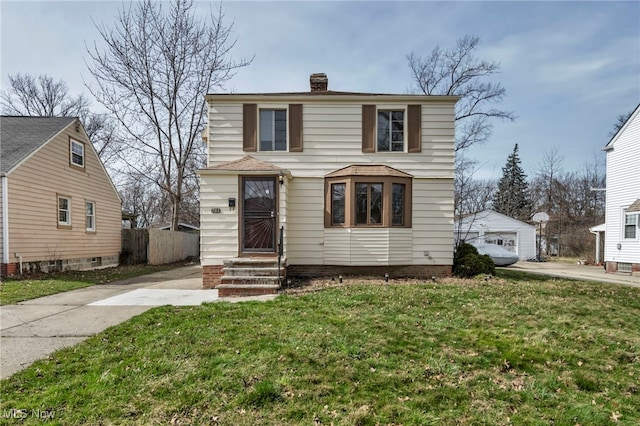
x=90, y=207
x=273, y=130
x=358, y=197
x=77, y=153
x=390, y=131
x=631, y=225
x=64, y=211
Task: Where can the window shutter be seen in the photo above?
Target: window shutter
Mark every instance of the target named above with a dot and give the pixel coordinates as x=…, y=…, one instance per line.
x=295, y=128
x=249, y=127
x=368, y=128
x=414, y=128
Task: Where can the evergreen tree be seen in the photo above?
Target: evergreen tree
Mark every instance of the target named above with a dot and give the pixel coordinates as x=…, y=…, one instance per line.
x=512, y=197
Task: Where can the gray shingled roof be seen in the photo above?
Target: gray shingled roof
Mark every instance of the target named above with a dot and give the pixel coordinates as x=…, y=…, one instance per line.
x=20, y=136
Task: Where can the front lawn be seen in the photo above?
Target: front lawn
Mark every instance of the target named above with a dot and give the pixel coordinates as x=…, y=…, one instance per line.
x=504, y=351
x=14, y=290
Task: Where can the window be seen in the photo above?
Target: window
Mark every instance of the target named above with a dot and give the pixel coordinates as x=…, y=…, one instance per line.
x=369, y=203
x=90, y=216
x=368, y=196
x=77, y=153
x=397, y=204
x=630, y=225
x=273, y=130
x=338, y=193
x=390, y=131
x=64, y=211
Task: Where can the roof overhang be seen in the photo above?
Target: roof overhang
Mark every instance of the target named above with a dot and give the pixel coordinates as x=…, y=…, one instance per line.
x=598, y=228
x=368, y=170
x=334, y=97
x=247, y=166
x=634, y=207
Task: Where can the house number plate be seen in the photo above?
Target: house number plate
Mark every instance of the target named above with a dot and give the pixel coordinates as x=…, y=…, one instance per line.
x=216, y=210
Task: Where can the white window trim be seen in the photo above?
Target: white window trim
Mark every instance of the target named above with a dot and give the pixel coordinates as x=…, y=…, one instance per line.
x=624, y=224
x=73, y=142
x=282, y=107
x=93, y=228
x=68, y=210
x=403, y=108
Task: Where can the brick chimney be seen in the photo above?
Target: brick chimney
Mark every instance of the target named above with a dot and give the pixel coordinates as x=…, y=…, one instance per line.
x=319, y=82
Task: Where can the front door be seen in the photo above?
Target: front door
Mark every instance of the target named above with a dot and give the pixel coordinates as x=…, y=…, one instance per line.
x=259, y=214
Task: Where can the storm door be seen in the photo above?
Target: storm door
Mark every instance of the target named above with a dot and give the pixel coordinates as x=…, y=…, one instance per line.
x=259, y=214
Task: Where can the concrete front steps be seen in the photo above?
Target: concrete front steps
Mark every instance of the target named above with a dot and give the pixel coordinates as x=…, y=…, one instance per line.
x=250, y=277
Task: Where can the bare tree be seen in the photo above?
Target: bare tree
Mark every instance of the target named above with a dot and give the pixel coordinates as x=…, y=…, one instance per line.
x=152, y=76
x=45, y=97
x=457, y=71
x=621, y=120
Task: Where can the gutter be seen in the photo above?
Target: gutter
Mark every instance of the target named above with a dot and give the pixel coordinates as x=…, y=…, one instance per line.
x=5, y=218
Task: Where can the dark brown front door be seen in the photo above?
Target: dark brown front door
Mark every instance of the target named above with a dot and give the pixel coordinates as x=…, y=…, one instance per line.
x=259, y=214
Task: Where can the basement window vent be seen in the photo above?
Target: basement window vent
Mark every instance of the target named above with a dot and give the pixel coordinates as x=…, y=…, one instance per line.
x=624, y=267
x=96, y=261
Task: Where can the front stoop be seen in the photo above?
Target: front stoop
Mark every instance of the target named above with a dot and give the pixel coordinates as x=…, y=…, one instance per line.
x=250, y=277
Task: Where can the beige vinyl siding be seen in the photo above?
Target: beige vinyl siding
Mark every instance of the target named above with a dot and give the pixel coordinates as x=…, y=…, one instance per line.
x=367, y=246
x=33, y=214
x=433, y=222
x=305, y=221
x=332, y=139
x=218, y=231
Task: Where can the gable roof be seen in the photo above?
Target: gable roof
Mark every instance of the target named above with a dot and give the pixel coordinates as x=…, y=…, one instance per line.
x=368, y=170
x=21, y=136
x=246, y=164
x=487, y=214
x=633, y=115
x=634, y=207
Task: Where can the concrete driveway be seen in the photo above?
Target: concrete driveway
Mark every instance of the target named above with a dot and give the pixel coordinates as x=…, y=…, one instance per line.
x=575, y=271
x=33, y=329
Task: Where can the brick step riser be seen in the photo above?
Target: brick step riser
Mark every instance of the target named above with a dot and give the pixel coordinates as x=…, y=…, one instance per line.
x=249, y=281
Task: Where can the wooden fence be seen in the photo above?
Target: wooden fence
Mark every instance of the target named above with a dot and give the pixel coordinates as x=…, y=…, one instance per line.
x=157, y=247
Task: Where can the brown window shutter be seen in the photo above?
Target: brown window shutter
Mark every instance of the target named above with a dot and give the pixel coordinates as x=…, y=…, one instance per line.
x=295, y=128
x=368, y=128
x=414, y=128
x=249, y=127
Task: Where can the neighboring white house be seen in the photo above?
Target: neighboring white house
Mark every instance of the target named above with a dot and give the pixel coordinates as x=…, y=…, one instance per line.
x=622, y=220
x=490, y=227
x=349, y=183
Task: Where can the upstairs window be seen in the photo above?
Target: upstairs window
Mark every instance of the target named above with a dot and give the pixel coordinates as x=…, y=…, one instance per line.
x=631, y=225
x=64, y=211
x=76, y=150
x=273, y=130
x=390, y=131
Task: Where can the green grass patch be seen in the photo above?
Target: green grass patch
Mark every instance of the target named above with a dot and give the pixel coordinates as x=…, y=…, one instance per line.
x=14, y=290
x=467, y=352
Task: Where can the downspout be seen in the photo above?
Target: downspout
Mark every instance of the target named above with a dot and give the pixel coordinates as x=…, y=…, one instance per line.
x=5, y=219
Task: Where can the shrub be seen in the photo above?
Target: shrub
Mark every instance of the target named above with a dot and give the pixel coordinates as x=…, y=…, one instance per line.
x=467, y=262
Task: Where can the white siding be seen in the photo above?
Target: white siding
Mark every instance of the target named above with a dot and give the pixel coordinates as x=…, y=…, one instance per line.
x=623, y=188
x=488, y=222
x=332, y=139
x=332, y=135
x=218, y=231
x=305, y=221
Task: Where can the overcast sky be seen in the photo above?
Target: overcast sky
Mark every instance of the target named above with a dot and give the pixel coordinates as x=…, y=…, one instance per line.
x=570, y=68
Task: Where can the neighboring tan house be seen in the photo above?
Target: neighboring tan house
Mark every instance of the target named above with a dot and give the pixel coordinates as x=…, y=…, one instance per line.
x=622, y=219
x=59, y=207
x=490, y=227
x=349, y=183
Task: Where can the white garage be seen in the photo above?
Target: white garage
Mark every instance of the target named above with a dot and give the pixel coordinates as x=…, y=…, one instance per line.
x=490, y=227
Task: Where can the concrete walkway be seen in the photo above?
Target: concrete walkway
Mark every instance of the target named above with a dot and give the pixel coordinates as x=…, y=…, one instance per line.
x=33, y=329
x=575, y=271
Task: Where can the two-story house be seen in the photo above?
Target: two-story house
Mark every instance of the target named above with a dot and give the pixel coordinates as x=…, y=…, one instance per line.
x=58, y=206
x=338, y=183
x=622, y=216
